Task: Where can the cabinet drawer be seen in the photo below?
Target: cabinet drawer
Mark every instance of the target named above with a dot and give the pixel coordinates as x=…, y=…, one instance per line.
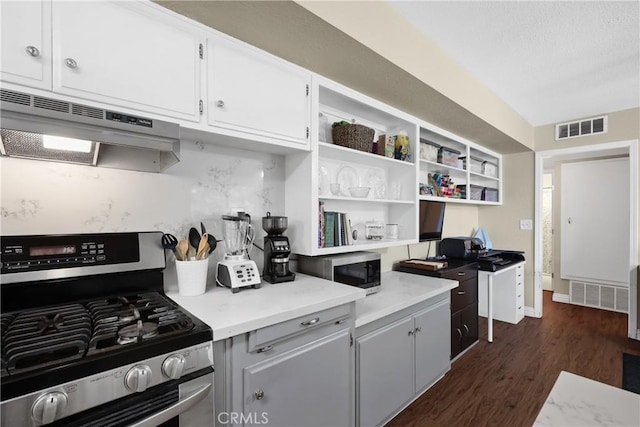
x=466, y=293
x=279, y=331
x=460, y=274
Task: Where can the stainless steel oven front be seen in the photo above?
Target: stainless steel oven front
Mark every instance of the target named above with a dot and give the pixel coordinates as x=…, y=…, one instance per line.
x=140, y=394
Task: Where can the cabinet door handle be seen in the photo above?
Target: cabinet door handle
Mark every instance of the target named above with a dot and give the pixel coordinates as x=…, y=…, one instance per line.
x=310, y=322
x=418, y=329
x=259, y=394
x=466, y=328
x=265, y=348
x=411, y=333
x=71, y=63
x=33, y=51
x=459, y=332
x=461, y=273
x=462, y=292
x=220, y=103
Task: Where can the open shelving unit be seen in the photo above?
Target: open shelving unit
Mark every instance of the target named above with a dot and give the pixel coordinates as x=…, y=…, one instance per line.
x=394, y=184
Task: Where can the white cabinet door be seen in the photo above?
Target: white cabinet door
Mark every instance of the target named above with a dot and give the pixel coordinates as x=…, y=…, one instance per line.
x=385, y=371
x=433, y=344
x=307, y=386
x=126, y=54
x=25, y=32
x=251, y=91
x=595, y=221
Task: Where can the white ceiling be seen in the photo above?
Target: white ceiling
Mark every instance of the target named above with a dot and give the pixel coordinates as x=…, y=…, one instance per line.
x=551, y=61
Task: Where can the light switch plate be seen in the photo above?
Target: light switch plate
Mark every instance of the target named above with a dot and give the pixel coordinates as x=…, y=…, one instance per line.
x=526, y=224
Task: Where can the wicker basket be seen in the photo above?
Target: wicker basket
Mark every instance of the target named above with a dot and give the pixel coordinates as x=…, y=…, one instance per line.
x=354, y=136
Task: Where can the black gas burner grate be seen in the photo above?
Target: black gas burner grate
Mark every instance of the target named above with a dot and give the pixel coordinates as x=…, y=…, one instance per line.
x=46, y=336
x=38, y=338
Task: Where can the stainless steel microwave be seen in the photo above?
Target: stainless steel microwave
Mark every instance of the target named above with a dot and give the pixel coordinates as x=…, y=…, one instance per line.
x=361, y=269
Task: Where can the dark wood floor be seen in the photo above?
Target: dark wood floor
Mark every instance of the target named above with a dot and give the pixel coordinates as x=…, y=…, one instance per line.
x=505, y=383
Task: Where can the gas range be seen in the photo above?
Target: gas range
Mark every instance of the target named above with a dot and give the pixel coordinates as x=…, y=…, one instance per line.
x=86, y=327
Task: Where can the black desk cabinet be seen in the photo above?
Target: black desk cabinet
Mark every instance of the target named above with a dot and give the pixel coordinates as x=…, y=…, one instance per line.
x=464, y=301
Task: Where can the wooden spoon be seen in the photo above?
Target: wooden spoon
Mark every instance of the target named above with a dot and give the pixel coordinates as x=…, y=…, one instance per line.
x=203, y=247
x=182, y=249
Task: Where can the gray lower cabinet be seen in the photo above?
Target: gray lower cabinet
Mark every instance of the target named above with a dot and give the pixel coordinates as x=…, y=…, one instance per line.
x=399, y=360
x=295, y=373
x=305, y=386
x=385, y=371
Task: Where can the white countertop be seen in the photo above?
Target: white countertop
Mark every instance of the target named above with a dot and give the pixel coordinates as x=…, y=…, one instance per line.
x=399, y=291
x=230, y=314
x=579, y=401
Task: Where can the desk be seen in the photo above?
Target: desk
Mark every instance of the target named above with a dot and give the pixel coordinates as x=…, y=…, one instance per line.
x=501, y=295
x=579, y=401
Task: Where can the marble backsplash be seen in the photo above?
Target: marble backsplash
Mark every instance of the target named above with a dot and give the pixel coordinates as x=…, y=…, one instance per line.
x=40, y=197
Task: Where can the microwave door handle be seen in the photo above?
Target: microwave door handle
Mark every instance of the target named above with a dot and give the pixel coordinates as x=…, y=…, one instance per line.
x=176, y=409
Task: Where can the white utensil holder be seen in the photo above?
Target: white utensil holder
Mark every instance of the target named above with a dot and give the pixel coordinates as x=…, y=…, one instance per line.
x=192, y=276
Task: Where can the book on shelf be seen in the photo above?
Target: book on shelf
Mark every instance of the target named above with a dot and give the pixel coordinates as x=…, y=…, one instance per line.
x=330, y=219
x=321, y=242
x=335, y=229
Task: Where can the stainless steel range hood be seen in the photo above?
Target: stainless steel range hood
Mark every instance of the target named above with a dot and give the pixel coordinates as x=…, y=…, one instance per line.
x=113, y=139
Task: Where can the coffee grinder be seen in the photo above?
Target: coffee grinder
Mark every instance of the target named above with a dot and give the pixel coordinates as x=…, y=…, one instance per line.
x=276, y=250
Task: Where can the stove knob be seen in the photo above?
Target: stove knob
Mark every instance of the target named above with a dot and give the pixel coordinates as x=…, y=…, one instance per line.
x=173, y=365
x=138, y=378
x=48, y=407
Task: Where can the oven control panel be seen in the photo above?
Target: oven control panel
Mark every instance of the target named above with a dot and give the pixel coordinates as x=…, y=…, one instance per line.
x=33, y=253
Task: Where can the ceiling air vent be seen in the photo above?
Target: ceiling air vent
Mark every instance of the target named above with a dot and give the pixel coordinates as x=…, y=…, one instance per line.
x=581, y=128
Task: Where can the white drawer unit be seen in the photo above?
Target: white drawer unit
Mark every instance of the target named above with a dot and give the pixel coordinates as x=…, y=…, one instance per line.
x=508, y=293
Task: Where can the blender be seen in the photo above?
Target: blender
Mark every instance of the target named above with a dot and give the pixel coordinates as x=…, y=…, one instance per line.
x=237, y=270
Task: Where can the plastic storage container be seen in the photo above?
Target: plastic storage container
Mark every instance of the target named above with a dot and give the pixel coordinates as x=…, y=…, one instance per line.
x=490, y=194
x=448, y=156
x=429, y=150
x=475, y=192
x=489, y=169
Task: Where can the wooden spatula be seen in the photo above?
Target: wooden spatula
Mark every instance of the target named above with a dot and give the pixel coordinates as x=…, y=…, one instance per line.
x=203, y=247
x=182, y=249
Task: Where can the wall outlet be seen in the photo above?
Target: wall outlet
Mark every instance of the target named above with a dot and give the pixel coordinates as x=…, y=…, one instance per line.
x=526, y=224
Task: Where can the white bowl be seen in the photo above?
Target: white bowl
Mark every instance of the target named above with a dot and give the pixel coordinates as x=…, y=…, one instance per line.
x=360, y=192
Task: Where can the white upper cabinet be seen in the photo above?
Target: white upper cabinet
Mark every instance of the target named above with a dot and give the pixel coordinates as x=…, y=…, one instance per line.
x=127, y=54
x=25, y=32
x=250, y=91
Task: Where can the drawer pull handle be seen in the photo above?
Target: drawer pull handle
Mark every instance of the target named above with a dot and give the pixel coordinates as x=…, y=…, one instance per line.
x=265, y=348
x=520, y=308
x=259, y=394
x=462, y=292
x=220, y=103
x=462, y=273
x=310, y=322
x=340, y=322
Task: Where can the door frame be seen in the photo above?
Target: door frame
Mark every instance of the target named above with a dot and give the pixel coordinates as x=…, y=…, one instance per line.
x=582, y=152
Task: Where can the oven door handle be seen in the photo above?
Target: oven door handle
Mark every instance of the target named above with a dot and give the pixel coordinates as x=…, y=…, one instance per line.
x=176, y=409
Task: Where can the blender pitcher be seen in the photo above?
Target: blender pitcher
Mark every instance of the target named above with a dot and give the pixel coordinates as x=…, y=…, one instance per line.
x=237, y=233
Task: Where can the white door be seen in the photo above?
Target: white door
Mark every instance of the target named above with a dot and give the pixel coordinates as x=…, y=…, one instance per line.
x=251, y=91
x=126, y=54
x=595, y=221
x=25, y=34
